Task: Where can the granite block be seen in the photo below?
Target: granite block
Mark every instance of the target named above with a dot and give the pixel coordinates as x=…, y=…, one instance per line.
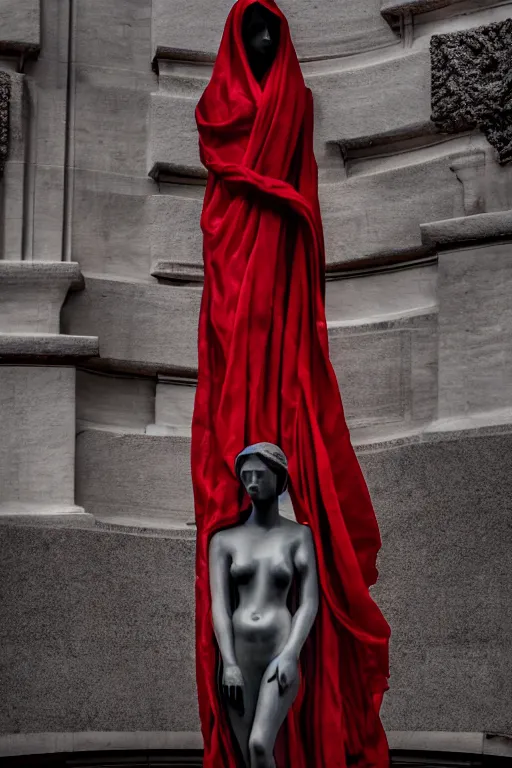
x=54, y=30
x=136, y=323
x=12, y=210
x=48, y=213
x=174, y=405
x=105, y=100
x=126, y=475
x=110, y=228
x=115, y=401
x=373, y=296
x=173, y=141
x=174, y=225
x=49, y=81
x=475, y=329
x=20, y=25
x=378, y=210
x=32, y=294
x=114, y=34
x=97, y=632
x=388, y=97
x=379, y=366
x=444, y=515
x=37, y=434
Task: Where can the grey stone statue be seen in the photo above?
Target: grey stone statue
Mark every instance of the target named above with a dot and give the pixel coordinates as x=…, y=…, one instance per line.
x=252, y=568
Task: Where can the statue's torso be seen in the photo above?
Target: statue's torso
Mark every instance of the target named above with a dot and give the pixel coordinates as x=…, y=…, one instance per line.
x=261, y=573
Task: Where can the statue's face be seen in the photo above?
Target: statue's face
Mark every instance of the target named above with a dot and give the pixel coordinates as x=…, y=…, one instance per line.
x=259, y=481
x=261, y=31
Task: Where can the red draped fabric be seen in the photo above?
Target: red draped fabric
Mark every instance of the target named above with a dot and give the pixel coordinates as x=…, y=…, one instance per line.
x=265, y=375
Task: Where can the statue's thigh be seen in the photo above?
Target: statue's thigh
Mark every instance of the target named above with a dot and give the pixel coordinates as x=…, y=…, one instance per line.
x=272, y=708
x=242, y=724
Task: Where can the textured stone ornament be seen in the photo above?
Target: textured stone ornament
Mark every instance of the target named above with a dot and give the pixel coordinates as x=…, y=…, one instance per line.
x=5, y=98
x=472, y=83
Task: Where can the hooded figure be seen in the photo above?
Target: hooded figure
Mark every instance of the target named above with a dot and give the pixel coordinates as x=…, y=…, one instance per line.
x=264, y=375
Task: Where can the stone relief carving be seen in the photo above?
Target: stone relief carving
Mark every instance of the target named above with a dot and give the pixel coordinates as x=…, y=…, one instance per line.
x=5, y=98
x=472, y=83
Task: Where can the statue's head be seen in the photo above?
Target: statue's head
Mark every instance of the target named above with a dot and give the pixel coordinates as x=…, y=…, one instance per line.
x=261, y=34
x=262, y=469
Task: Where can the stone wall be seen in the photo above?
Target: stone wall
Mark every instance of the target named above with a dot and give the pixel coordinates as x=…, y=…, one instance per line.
x=100, y=288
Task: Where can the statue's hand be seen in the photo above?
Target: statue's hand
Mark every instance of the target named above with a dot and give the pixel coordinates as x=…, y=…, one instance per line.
x=286, y=671
x=233, y=684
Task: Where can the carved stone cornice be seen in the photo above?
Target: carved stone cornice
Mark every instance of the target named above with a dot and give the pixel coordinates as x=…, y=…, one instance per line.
x=472, y=83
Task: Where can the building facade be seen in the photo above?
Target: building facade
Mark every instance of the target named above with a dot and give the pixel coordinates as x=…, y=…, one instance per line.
x=100, y=286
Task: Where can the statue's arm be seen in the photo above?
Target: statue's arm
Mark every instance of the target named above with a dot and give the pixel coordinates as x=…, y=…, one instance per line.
x=221, y=608
x=305, y=563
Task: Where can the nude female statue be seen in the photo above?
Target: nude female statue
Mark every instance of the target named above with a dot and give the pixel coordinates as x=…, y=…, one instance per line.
x=252, y=568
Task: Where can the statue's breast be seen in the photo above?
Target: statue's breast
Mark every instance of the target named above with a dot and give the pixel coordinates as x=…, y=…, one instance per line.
x=275, y=571
x=243, y=572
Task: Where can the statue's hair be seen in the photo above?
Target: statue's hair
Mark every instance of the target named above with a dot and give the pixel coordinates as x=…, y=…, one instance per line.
x=272, y=456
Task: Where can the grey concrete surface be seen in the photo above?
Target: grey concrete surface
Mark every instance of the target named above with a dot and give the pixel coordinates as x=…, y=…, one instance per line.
x=116, y=401
x=174, y=405
x=174, y=225
x=137, y=322
x=392, y=8
x=20, y=25
x=105, y=99
x=115, y=34
x=387, y=371
x=475, y=329
x=377, y=295
x=444, y=514
x=97, y=631
x=464, y=229
x=32, y=294
x=123, y=474
x=37, y=446
x=40, y=346
x=110, y=224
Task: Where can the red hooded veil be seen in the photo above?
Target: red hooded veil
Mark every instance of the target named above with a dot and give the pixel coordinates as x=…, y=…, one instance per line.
x=265, y=375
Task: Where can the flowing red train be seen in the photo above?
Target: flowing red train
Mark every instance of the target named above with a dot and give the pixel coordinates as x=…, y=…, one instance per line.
x=265, y=375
